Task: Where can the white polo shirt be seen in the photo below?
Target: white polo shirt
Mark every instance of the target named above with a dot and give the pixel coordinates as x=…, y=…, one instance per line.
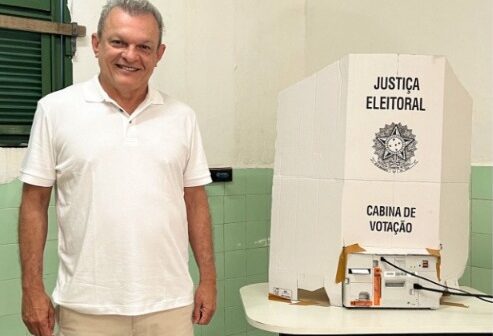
x=122, y=226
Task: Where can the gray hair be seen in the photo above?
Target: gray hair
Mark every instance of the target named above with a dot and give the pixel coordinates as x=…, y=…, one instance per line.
x=132, y=7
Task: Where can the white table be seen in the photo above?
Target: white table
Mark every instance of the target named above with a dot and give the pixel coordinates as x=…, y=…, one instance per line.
x=285, y=318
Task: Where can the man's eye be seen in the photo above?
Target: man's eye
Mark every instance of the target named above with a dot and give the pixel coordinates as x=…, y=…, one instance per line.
x=145, y=47
x=116, y=42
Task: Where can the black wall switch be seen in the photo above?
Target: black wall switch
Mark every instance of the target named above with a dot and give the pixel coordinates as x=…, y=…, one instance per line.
x=221, y=174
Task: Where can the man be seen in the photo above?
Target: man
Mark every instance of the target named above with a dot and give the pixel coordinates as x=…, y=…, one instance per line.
x=129, y=170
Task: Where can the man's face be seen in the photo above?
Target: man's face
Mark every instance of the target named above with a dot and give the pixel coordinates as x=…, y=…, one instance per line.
x=127, y=51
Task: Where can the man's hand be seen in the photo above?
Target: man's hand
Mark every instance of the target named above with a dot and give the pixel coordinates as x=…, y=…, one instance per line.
x=205, y=302
x=38, y=313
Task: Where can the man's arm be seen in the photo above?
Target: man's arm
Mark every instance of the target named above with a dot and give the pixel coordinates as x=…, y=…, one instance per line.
x=38, y=313
x=200, y=235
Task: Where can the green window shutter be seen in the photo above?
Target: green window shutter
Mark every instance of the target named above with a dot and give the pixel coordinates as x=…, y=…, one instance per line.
x=30, y=4
x=35, y=9
x=21, y=83
x=31, y=66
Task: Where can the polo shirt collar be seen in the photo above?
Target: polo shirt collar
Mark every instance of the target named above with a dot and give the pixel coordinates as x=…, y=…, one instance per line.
x=94, y=93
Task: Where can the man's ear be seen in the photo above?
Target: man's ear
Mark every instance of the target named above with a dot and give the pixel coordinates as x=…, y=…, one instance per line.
x=95, y=44
x=160, y=51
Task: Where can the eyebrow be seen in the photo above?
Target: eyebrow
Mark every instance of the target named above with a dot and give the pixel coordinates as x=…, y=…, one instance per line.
x=117, y=36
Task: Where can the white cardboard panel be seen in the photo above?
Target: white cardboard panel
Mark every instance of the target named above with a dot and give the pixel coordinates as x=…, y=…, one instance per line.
x=457, y=124
x=391, y=214
x=295, y=103
x=308, y=234
x=282, y=262
x=365, y=123
x=329, y=217
x=454, y=229
x=329, y=131
x=319, y=236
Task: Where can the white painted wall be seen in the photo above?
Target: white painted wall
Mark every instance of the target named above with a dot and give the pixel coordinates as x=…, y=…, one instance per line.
x=228, y=60
x=458, y=29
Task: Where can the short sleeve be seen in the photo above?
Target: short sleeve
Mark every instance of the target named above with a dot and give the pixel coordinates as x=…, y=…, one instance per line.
x=38, y=167
x=196, y=171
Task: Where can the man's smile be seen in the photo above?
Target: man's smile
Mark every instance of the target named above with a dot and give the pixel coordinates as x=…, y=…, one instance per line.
x=127, y=68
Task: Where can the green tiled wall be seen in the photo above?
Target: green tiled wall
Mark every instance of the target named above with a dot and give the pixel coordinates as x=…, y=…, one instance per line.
x=241, y=218
x=479, y=270
x=10, y=285
x=240, y=213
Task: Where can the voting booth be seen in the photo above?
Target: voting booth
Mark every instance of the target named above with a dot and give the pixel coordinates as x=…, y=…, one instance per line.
x=372, y=156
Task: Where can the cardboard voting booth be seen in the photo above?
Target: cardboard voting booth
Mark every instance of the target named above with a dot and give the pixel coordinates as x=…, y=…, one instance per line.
x=371, y=151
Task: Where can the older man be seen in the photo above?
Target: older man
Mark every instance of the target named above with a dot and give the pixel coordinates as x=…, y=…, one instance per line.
x=129, y=170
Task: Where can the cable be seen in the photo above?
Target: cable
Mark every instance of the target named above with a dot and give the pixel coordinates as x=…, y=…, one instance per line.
x=418, y=286
x=449, y=290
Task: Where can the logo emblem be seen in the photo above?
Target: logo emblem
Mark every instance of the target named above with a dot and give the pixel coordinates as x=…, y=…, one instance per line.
x=394, y=147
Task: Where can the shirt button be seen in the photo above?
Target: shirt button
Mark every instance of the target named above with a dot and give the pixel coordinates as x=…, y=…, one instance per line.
x=130, y=121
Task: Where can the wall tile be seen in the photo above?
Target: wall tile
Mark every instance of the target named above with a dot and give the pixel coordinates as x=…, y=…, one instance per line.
x=257, y=261
x=215, y=189
x=8, y=225
x=238, y=185
x=234, y=236
x=481, y=252
x=52, y=224
x=258, y=207
x=49, y=281
x=220, y=265
x=9, y=262
x=259, y=181
x=197, y=330
x=465, y=280
x=11, y=325
x=53, y=197
x=258, y=332
x=218, y=237
x=469, y=255
x=481, y=279
x=193, y=269
x=482, y=216
x=51, y=257
x=221, y=295
x=11, y=194
x=257, y=234
x=235, y=264
x=482, y=182
x=216, y=208
x=216, y=326
x=235, y=321
x=256, y=278
x=10, y=297
x=232, y=291
x=234, y=209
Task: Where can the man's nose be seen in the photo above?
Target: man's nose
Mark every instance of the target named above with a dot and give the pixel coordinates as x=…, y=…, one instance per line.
x=129, y=53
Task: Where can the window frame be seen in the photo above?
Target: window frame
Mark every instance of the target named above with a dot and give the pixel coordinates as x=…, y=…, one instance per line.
x=56, y=59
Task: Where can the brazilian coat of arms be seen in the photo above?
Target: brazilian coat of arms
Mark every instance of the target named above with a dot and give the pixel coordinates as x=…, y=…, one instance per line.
x=394, y=147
